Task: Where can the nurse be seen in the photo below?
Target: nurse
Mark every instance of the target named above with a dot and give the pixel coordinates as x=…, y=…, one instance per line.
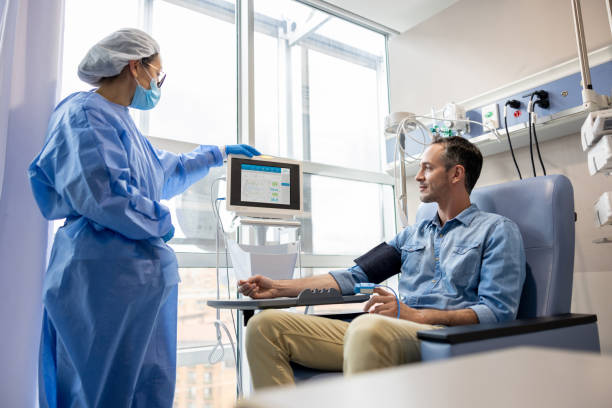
x=110, y=291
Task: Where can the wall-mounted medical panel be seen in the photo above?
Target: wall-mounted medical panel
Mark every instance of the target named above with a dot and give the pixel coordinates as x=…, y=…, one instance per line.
x=564, y=94
x=564, y=115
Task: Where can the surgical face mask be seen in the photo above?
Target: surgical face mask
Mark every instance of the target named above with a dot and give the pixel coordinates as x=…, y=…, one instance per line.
x=145, y=99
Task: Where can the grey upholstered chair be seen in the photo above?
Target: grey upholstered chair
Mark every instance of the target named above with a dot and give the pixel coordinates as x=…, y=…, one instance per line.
x=543, y=209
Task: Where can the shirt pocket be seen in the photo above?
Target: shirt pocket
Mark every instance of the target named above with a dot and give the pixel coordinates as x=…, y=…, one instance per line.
x=464, y=249
x=412, y=257
x=463, y=265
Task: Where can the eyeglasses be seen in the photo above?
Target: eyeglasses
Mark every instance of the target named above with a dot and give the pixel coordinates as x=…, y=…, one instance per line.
x=161, y=77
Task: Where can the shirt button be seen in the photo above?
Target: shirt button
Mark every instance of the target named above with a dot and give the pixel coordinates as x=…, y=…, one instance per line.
x=441, y=235
x=437, y=258
x=433, y=281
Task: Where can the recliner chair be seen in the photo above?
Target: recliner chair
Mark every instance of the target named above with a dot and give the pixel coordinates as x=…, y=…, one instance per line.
x=543, y=209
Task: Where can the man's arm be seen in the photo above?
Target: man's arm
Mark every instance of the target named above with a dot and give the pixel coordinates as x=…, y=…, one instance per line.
x=386, y=304
x=502, y=274
x=446, y=317
x=380, y=263
x=260, y=287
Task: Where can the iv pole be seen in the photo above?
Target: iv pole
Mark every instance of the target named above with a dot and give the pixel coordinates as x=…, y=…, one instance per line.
x=591, y=100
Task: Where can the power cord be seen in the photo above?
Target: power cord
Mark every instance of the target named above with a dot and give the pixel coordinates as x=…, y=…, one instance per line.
x=218, y=350
x=544, y=103
x=514, y=104
x=529, y=112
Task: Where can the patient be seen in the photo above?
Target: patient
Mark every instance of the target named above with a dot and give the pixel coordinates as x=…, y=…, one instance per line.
x=463, y=266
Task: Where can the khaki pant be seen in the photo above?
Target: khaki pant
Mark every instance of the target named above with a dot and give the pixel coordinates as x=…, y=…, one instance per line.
x=273, y=338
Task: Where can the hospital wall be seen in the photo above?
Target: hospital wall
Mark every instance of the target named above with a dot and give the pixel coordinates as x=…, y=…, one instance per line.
x=475, y=46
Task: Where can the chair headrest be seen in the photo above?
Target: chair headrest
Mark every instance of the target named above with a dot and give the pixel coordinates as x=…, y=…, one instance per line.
x=533, y=204
x=543, y=209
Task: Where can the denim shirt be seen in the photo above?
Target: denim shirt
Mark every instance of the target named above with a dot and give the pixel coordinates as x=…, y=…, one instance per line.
x=476, y=260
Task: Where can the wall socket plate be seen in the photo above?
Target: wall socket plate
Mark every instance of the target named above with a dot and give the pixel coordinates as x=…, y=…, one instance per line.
x=490, y=116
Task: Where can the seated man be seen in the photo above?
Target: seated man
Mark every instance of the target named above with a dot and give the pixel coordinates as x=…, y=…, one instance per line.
x=464, y=266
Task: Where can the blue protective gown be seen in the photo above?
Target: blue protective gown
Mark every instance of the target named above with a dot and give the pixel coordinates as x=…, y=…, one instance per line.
x=110, y=291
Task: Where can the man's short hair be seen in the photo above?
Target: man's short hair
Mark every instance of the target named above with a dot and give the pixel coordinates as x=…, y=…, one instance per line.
x=458, y=150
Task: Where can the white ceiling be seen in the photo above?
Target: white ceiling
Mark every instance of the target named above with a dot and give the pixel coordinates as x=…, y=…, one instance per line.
x=399, y=15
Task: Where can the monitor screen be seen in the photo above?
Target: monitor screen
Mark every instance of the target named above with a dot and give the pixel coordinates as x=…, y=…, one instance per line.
x=265, y=184
x=269, y=186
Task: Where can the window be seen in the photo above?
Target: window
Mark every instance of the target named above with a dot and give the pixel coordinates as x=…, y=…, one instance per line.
x=321, y=96
x=81, y=32
x=346, y=217
x=320, y=87
x=198, y=103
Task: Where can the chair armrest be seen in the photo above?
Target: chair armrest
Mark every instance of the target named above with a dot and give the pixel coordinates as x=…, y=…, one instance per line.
x=475, y=332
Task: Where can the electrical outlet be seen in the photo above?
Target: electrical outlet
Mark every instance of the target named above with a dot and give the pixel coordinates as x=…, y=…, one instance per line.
x=490, y=117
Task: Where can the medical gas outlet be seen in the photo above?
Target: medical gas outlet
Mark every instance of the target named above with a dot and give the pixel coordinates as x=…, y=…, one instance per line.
x=490, y=116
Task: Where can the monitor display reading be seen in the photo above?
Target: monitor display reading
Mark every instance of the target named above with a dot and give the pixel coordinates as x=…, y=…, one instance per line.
x=267, y=187
x=265, y=184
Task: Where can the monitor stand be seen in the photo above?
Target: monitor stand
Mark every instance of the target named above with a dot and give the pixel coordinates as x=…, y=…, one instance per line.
x=274, y=222
x=261, y=225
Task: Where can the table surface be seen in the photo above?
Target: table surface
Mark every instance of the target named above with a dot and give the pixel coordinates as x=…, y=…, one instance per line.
x=517, y=377
x=281, y=302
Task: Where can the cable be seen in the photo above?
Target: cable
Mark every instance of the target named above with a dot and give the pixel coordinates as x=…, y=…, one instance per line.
x=407, y=132
x=529, y=112
x=543, y=102
x=535, y=136
x=218, y=351
x=368, y=288
x=216, y=356
x=396, y=298
x=229, y=294
x=401, y=128
x=513, y=103
x=484, y=125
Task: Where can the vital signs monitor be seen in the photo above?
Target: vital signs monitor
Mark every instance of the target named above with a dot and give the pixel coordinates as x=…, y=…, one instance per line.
x=264, y=186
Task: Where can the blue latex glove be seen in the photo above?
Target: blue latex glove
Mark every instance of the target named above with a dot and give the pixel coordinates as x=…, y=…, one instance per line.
x=169, y=234
x=243, y=149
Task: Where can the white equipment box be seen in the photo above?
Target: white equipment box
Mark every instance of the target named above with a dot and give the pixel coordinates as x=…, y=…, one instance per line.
x=595, y=126
x=600, y=156
x=603, y=210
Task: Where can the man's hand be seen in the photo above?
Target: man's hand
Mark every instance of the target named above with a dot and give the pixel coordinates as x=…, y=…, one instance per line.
x=385, y=303
x=258, y=287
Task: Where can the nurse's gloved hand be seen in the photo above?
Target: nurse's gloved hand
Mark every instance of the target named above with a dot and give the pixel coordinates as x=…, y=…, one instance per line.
x=243, y=149
x=169, y=234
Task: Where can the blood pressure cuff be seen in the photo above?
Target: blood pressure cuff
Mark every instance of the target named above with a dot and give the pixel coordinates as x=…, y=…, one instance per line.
x=380, y=262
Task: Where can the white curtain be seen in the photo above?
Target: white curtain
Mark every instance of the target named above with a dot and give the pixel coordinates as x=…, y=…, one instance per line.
x=8, y=10
x=30, y=44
